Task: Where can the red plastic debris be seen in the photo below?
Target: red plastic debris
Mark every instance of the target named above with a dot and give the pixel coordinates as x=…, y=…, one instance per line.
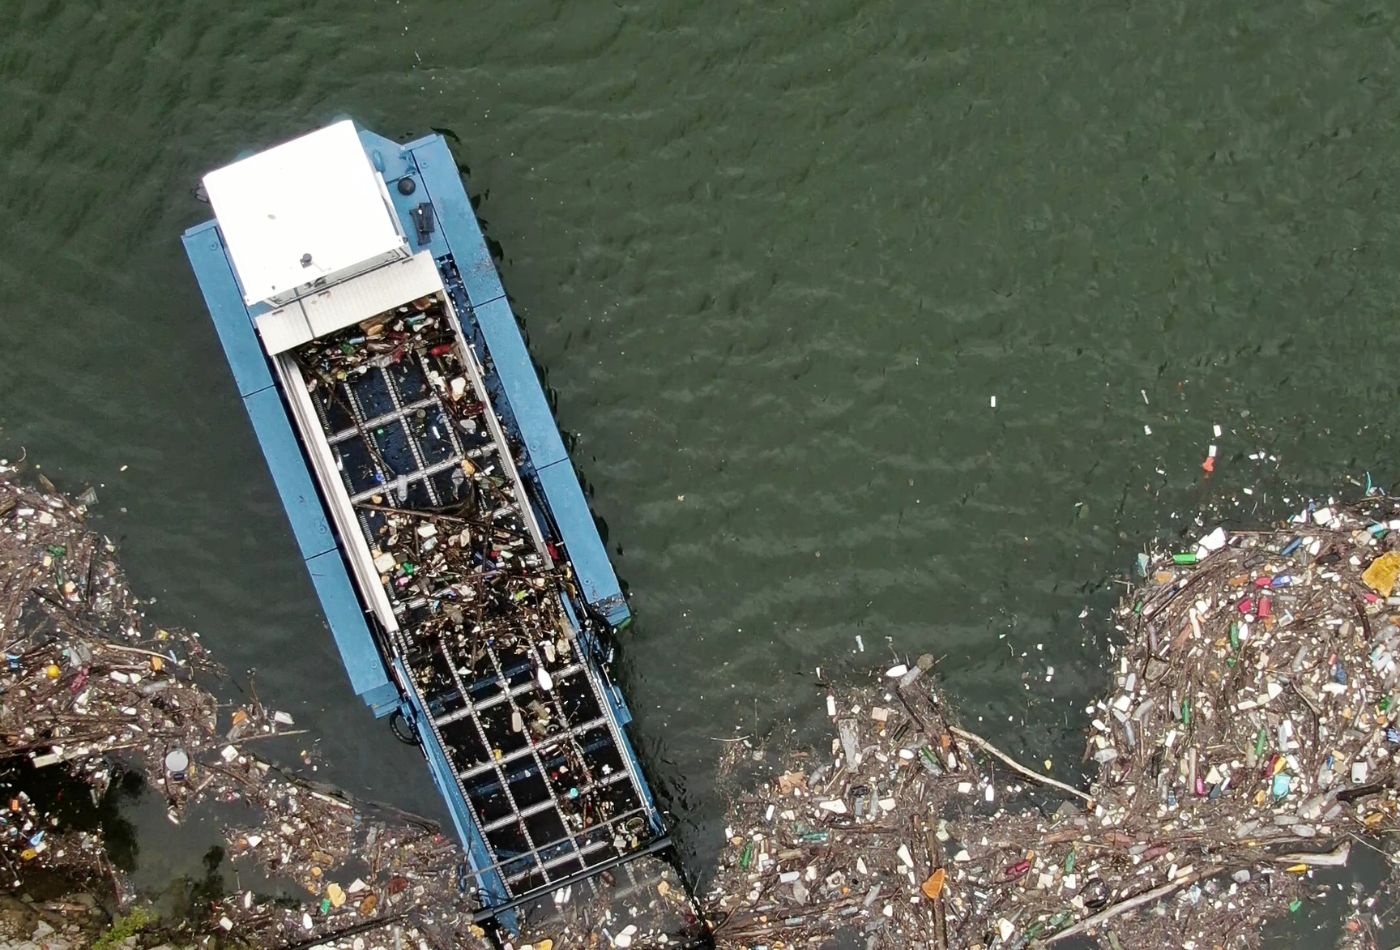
x=1018, y=870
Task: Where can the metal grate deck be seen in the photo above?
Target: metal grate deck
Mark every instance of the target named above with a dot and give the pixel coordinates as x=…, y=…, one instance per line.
x=485, y=628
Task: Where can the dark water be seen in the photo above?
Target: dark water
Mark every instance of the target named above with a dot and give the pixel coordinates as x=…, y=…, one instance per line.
x=774, y=262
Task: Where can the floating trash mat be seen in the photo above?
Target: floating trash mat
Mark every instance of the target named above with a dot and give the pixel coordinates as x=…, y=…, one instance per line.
x=1250, y=739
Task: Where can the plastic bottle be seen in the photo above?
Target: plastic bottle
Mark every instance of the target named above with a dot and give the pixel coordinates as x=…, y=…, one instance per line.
x=930, y=764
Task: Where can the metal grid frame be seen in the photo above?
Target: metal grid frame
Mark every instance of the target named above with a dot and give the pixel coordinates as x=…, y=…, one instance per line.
x=540, y=864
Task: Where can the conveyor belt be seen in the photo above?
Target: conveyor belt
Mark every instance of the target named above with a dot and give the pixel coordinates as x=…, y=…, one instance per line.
x=487, y=633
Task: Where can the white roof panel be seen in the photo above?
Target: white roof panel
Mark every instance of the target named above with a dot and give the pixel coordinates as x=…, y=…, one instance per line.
x=284, y=328
x=371, y=294
x=317, y=195
x=348, y=302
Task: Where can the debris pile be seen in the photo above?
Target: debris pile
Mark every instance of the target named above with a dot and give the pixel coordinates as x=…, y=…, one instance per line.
x=89, y=685
x=375, y=876
x=363, y=868
x=640, y=904
x=1251, y=737
x=423, y=458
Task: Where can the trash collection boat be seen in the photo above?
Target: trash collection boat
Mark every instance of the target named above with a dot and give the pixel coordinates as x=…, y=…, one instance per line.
x=431, y=497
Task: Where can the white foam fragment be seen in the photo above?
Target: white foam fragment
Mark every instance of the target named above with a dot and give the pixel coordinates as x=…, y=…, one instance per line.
x=1215, y=540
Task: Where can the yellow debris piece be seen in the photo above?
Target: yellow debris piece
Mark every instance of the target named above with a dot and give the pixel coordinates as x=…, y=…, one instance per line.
x=1383, y=573
x=934, y=885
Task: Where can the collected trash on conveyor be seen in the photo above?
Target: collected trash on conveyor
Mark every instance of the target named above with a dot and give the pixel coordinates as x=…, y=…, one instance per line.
x=478, y=596
x=1249, y=739
x=453, y=548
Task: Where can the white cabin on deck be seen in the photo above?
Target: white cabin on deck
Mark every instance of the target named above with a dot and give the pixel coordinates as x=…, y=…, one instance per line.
x=305, y=214
x=311, y=232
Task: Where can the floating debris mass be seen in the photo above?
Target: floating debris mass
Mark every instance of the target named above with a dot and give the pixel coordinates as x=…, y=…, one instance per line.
x=1250, y=739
